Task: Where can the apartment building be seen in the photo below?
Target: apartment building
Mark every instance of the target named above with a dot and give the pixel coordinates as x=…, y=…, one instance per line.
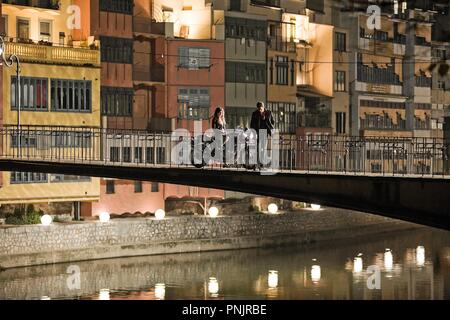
x=59, y=86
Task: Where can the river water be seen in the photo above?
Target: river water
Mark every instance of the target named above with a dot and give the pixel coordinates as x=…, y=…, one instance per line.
x=413, y=264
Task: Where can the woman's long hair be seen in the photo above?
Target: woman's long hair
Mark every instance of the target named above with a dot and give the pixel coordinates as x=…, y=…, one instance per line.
x=217, y=117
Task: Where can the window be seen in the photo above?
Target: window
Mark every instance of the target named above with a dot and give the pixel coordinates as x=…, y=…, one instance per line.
x=341, y=42
x=381, y=35
x=138, y=154
x=67, y=139
x=235, y=5
x=160, y=155
x=68, y=178
x=126, y=154
x=441, y=85
x=45, y=31
x=23, y=29
x=339, y=84
x=119, y=6
x=117, y=101
x=240, y=72
x=28, y=177
x=114, y=154
x=110, y=187
x=138, y=187
x=155, y=187
x=27, y=139
x=282, y=70
x=34, y=95
x=193, y=58
x=340, y=122
x=238, y=116
x=71, y=95
x=193, y=103
x=4, y=25
x=116, y=50
x=286, y=116
x=240, y=28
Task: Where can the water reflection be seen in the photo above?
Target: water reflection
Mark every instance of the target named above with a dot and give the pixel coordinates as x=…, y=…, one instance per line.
x=160, y=291
x=412, y=265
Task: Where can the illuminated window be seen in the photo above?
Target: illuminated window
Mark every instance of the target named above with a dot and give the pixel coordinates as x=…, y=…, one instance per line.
x=34, y=93
x=45, y=31
x=339, y=81
x=282, y=70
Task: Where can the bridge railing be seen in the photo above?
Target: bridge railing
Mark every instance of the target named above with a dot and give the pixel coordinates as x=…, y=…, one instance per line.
x=311, y=153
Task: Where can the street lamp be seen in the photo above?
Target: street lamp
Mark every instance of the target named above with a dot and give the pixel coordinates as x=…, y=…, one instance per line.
x=9, y=62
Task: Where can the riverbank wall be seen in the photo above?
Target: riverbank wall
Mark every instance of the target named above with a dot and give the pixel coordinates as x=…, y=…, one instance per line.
x=78, y=241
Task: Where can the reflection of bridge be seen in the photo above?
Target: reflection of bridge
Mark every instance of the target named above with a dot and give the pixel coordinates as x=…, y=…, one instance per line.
x=401, y=178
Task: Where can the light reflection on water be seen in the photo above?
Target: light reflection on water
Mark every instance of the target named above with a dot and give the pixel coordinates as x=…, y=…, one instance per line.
x=413, y=264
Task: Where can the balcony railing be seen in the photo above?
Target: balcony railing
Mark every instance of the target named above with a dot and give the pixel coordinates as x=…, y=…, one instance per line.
x=44, y=4
x=52, y=54
x=280, y=44
x=423, y=82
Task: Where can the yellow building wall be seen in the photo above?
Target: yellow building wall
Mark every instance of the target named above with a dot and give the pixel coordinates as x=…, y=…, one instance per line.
x=49, y=117
x=48, y=192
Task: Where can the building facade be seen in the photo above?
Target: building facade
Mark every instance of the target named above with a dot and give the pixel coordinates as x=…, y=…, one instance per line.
x=59, y=87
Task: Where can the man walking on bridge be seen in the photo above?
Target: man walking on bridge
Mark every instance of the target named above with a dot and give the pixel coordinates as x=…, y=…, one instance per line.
x=262, y=119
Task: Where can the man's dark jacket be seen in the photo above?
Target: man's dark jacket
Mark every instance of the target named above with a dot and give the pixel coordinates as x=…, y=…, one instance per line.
x=258, y=122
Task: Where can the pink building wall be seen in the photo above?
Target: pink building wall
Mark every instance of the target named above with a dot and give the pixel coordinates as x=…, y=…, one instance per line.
x=126, y=200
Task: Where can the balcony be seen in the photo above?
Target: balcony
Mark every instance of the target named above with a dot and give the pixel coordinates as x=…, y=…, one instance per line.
x=44, y=4
x=45, y=53
x=277, y=44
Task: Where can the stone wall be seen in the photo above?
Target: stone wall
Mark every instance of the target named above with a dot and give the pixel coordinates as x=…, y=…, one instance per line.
x=34, y=245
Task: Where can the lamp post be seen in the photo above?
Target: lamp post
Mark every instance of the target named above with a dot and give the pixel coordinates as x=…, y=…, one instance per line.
x=9, y=62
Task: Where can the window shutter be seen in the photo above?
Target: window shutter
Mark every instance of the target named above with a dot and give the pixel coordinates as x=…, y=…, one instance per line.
x=203, y=55
x=183, y=56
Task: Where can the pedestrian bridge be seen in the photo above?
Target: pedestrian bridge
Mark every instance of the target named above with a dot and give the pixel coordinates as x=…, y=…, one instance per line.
x=405, y=178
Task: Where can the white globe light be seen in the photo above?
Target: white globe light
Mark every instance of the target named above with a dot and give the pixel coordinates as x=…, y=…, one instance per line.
x=213, y=286
x=46, y=220
x=104, y=217
x=273, y=208
x=213, y=212
x=315, y=206
x=160, y=214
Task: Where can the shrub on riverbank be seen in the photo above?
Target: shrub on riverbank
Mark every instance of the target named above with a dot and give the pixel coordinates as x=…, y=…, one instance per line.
x=24, y=216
